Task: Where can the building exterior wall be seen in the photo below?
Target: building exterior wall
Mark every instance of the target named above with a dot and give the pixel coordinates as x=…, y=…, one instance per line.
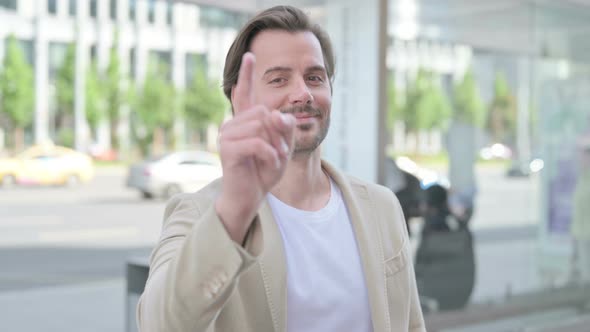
x=94, y=36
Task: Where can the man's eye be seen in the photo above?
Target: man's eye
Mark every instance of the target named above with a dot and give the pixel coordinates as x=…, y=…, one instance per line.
x=315, y=78
x=278, y=80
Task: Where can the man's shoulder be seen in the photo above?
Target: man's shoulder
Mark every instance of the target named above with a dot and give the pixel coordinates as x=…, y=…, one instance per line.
x=205, y=195
x=373, y=189
x=355, y=182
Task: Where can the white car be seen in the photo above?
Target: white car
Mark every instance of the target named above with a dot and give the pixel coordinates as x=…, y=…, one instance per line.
x=173, y=173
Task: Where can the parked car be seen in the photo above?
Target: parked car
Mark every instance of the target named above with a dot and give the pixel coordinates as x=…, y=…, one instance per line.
x=46, y=164
x=173, y=173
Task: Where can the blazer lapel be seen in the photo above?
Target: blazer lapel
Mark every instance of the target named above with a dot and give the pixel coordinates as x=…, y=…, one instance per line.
x=272, y=266
x=368, y=237
x=272, y=263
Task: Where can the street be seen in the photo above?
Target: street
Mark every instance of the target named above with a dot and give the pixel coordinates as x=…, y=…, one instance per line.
x=57, y=236
x=63, y=250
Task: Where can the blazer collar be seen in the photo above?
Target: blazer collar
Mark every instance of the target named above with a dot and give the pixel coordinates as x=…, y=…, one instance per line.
x=272, y=258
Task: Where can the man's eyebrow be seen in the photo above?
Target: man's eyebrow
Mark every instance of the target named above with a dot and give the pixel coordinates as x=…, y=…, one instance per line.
x=275, y=69
x=316, y=68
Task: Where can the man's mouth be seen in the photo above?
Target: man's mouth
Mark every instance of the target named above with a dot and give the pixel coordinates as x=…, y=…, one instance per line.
x=304, y=115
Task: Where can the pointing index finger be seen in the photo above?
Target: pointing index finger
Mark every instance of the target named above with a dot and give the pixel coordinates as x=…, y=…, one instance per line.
x=244, y=97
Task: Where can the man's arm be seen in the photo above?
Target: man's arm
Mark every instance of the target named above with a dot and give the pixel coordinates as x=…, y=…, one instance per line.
x=193, y=270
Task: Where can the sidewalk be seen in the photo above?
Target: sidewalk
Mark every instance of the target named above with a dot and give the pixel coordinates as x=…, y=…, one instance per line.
x=92, y=307
x=101, y=306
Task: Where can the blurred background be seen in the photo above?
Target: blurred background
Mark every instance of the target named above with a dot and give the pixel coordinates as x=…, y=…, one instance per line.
x=476, y=113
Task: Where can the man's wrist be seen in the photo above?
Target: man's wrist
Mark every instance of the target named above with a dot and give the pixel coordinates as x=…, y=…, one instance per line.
x=235, y=223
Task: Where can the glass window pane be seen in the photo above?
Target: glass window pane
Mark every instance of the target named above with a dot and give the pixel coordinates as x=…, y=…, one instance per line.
x=113, y=10
x=72, y=7
x=169, y=12
x=8, y=4
x=93, y=8
x=52, y=7
x=132, y=10
x=151, y=11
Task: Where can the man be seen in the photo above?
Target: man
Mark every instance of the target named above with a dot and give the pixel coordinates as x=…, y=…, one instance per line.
x=284, y=241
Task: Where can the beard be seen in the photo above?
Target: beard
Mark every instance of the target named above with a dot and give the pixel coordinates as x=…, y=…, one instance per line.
x=305, y=144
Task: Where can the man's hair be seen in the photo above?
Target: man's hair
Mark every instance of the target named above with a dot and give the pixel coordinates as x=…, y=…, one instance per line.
x=284, y=18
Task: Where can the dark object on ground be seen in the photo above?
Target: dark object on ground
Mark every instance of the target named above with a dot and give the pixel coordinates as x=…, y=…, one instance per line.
x=406, y=187
x=445, y=262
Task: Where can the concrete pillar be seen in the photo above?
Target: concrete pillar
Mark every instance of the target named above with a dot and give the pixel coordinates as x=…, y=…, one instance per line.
x=81, y=126
x=142, y=41
x=179, y=79
x=32, y=9
x=358, y=32
x=62, y=8
x=41, y=126
x=103, y=10
x=160, y=13
x=523, y=144
x=141, y=12
x=124, y=123
x=104, y=36
x=81, y=130
x=122, y=11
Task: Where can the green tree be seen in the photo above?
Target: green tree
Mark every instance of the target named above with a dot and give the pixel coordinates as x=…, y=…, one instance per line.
x=426, y=104
x=65, y=82
x=414, y=93
x=16, y=91
x=468, y=106
x=153, y=109
x=501, y=119
x=114, y=93
x=433, y=107
x=394, y=110
x=204, y=101
x=95, y=101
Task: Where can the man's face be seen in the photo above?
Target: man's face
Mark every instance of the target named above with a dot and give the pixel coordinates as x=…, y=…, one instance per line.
x=290, y=76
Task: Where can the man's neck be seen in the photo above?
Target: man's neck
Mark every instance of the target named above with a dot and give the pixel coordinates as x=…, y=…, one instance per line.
x=304, y=185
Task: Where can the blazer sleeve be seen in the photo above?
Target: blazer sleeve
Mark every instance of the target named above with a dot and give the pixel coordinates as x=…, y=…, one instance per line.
x=193, y=269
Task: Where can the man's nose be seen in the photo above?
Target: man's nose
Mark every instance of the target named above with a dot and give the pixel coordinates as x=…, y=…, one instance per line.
x=300, y=93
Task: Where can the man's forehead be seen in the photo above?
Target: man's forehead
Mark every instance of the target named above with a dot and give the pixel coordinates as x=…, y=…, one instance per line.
x=277, y=45
x=287, y=69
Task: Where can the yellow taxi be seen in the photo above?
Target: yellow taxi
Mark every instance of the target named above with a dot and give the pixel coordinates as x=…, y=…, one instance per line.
x=46, y=164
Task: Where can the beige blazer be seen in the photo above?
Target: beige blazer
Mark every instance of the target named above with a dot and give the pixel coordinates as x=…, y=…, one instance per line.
x=200, y=280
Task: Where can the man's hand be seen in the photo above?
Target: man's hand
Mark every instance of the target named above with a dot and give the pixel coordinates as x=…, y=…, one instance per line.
x=254, y=148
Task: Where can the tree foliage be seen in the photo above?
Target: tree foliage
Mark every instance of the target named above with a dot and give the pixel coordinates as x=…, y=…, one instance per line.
x=16, y=90
x=468, y=106
x=115, y=94
x=95, y=100
x=154, y=106
x=65, y=82
x=501, y=119
x=204, y=101
x=426, y=104
x=394, y=110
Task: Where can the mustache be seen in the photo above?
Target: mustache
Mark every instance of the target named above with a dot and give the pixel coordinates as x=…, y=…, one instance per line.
x=312, y=111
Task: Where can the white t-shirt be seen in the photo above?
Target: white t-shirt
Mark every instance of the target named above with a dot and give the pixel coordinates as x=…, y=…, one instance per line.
x=326, y=289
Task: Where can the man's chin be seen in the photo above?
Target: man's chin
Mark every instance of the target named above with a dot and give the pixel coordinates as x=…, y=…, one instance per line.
x=305, y=126
x=306, y=146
